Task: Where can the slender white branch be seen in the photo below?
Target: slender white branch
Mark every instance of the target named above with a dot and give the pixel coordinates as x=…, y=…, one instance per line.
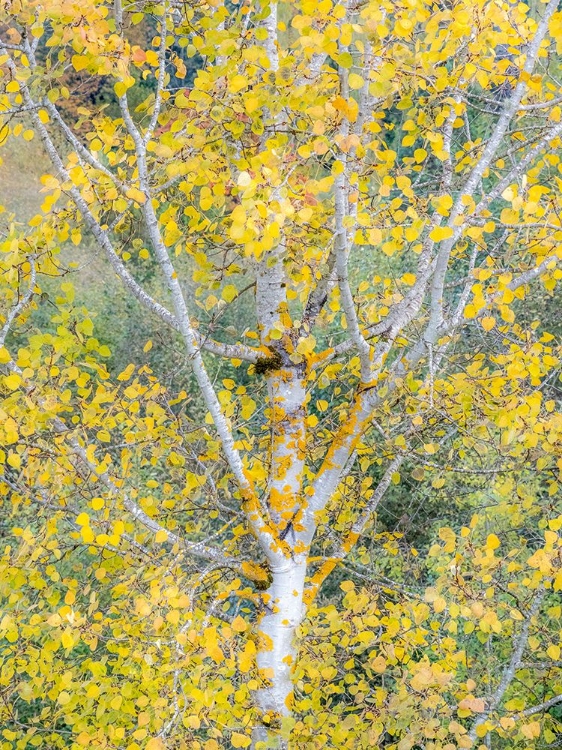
x=21, y=304
x=370, y=508
x=540, y=105
x=513, y=665
x=118, y=14
x=258, y=522
x=538, y=708
x=230, y=351
x=270, y=25
x=492, y=145
x=86, y=467
x=160, y=81
x=447, y=146
x=527, y=276
x=81, y=151
x=341, y=256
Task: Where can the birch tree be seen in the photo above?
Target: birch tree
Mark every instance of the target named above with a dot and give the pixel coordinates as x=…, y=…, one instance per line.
x=383, y=187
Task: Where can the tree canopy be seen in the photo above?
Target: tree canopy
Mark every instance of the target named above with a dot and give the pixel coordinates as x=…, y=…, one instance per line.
x=294, y=482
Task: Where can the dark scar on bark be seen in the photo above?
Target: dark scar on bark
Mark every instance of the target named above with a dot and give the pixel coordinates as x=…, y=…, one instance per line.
x=267, y=364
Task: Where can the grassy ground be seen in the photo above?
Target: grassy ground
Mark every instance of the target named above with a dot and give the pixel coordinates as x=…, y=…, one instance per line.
x=22, y=165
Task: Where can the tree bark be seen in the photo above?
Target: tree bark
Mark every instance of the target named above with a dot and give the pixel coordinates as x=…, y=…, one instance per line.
x=283, y=611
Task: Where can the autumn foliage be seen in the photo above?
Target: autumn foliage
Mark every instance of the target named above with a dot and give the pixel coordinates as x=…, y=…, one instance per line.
x=319, y=505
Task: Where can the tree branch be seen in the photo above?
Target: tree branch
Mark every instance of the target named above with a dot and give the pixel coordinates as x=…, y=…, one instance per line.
x=21, y=304
x=538, y=709
x=512, y=666
x=268, y=539
x=356, y=530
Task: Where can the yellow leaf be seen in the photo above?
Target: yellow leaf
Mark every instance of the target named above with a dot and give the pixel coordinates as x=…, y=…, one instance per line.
x=248, y=407
x=492, y=542
x=120, y=88
x=337, y=167
x=136, y=195
x=251, y=103
x=127, y=372
x=531, y=730
x=143, y=718
x=237, y=83
x=67, y=640
x=239, y=740
x=229, y=292
x=155, y=743
x=422, y=679
x=255, y=572
x=442, y=205
x=306, y=345
x=161, y=536
x=488, y=323
x=379, y=664
x=14, y=460
x=439, y=604
x=151, y=57
x=79, y=62
x=12, y=381
x=476, y=705
x=441, y=233
x=131, y=392
x=239, y=625
x=355, y=81
x=87, y=534
x=244, y=179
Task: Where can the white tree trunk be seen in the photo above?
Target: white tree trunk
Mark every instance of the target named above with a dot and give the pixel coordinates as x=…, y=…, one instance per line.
x=277, y=648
